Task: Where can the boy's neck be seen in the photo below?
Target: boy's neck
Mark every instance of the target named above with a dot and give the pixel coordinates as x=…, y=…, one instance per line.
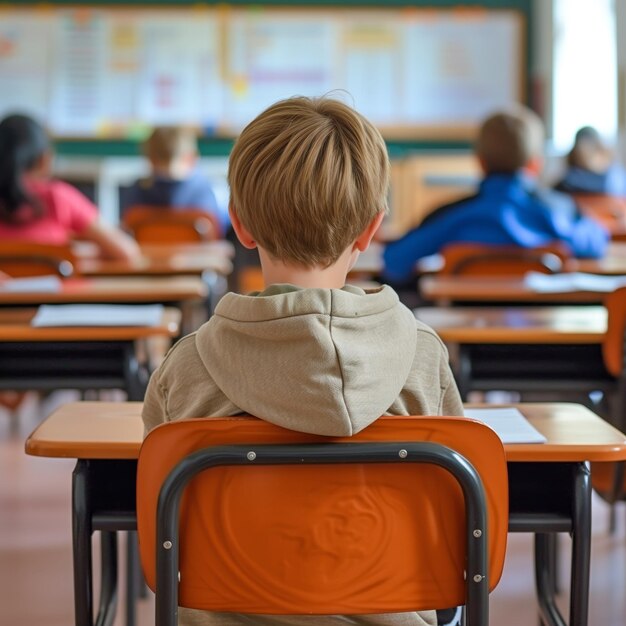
x=333, y=277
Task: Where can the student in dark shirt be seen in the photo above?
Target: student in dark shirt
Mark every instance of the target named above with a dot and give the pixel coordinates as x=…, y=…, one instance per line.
x=592, y=167
x=175, y=181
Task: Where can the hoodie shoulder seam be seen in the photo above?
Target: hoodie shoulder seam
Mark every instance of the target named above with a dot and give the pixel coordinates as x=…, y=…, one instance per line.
x=341, y=373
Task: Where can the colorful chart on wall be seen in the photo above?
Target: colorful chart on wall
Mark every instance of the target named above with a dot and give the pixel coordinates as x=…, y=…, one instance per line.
x=114, y=72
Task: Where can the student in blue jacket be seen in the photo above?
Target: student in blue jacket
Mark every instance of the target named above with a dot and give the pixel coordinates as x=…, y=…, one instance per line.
x=508, y=208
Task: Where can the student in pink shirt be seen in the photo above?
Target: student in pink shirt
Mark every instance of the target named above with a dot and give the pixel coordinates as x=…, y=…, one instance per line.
x=38, y=209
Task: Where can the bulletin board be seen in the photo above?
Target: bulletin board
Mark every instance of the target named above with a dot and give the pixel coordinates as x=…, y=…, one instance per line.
x=109, y=72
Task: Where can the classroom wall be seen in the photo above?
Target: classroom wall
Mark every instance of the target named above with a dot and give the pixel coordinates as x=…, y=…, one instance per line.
x=221, y=147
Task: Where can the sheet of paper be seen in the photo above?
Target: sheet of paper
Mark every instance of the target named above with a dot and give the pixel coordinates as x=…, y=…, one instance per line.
x=45, y=284
x=510, y=425
x=98, y=315
x=572, y=281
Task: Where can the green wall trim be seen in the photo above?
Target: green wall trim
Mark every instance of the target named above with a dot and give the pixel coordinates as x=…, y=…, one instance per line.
x=222, y=147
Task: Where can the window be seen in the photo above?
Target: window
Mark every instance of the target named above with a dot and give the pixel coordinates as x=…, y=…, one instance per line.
x=585, y=69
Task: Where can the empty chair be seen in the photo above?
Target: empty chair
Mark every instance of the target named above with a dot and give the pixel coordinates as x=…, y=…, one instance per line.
x=160, y=225
x=488, y=260
x=23, y=259
x=409, y=514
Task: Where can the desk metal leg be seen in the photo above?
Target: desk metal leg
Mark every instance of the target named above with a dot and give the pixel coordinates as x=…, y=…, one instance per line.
x=81, y=540
x=132, y=565
x=581, y=547
x=581, y=552
x=108, y=591
x=82, y=530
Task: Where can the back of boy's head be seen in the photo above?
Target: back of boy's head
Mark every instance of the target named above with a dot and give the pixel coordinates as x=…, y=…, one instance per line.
x=589, y=151
x=509, y=140
x=306, y=178
x=166, y=144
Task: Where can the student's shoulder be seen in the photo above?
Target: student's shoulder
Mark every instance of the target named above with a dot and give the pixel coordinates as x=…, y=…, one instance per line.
x=554, y=200
x=447, y=210
x=427, y=338
x=181, y=359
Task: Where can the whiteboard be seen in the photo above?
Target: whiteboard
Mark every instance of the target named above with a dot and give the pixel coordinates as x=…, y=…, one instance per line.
x=115, y=72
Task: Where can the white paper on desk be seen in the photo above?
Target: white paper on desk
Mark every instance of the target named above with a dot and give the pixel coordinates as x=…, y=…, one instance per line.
x=572, y=281
x=510, y=425
x=98, y=315
x=43, y=284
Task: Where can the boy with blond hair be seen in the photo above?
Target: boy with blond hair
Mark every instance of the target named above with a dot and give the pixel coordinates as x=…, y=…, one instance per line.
x=509, y=207
x=174, y=181
x=309, y=180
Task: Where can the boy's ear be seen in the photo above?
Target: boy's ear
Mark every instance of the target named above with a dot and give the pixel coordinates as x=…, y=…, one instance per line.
x=534, y=166
x=245, y=238
x=365, y=238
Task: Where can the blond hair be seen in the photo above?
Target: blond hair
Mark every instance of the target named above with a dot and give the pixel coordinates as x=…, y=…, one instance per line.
x=509, y=140
x=166, y=144
x=306, y=178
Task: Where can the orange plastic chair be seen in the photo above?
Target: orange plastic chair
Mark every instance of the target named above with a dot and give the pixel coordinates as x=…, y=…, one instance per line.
x=472, y=259
x=23, y=259
x=161, y=225
x=609, y=479
x=286, y=522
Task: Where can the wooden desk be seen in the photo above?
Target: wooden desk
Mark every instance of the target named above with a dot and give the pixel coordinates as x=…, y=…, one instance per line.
x=526, y=349
x=550, y=489
x=165, y=260
x=15, y=325
x=517, y=325
x=89, y=357
x=612, y=264
x=112, y=290
x=448, y=289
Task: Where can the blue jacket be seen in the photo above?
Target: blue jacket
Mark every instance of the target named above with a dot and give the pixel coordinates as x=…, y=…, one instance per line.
x=507, y=210
x=194, y=192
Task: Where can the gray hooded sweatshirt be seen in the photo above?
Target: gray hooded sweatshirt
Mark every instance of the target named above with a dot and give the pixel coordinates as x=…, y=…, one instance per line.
x=323, y=361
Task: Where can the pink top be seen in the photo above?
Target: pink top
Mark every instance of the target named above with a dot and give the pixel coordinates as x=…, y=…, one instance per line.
x=66, y=212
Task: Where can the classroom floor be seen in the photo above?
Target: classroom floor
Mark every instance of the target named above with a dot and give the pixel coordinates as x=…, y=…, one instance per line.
x=35, y=544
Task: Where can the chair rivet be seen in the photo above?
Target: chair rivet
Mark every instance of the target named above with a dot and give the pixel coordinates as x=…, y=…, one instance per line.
x=478, y=578
x=477, y=533
x=167, y=545
x=251, y=456
x=403, y=454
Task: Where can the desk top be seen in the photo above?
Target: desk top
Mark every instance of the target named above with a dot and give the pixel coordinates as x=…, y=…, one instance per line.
x=15, y=326
x=558, y=324
x=613, y=263
x=110, y=430
x=491, y=289
x=110, y=290
x=163, y=260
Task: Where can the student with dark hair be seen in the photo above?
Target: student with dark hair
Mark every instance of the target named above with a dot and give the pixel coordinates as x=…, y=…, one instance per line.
x=509, y=208
x=38, y=209
x=592, y=167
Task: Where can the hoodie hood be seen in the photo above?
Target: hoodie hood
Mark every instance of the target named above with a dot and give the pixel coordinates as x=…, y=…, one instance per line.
x=324, y=361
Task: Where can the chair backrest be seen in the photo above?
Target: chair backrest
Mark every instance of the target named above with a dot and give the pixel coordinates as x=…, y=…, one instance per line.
x=345, y=536
x=22, y=259
x=489, y=260
x=613, y=342
x=160, y=225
